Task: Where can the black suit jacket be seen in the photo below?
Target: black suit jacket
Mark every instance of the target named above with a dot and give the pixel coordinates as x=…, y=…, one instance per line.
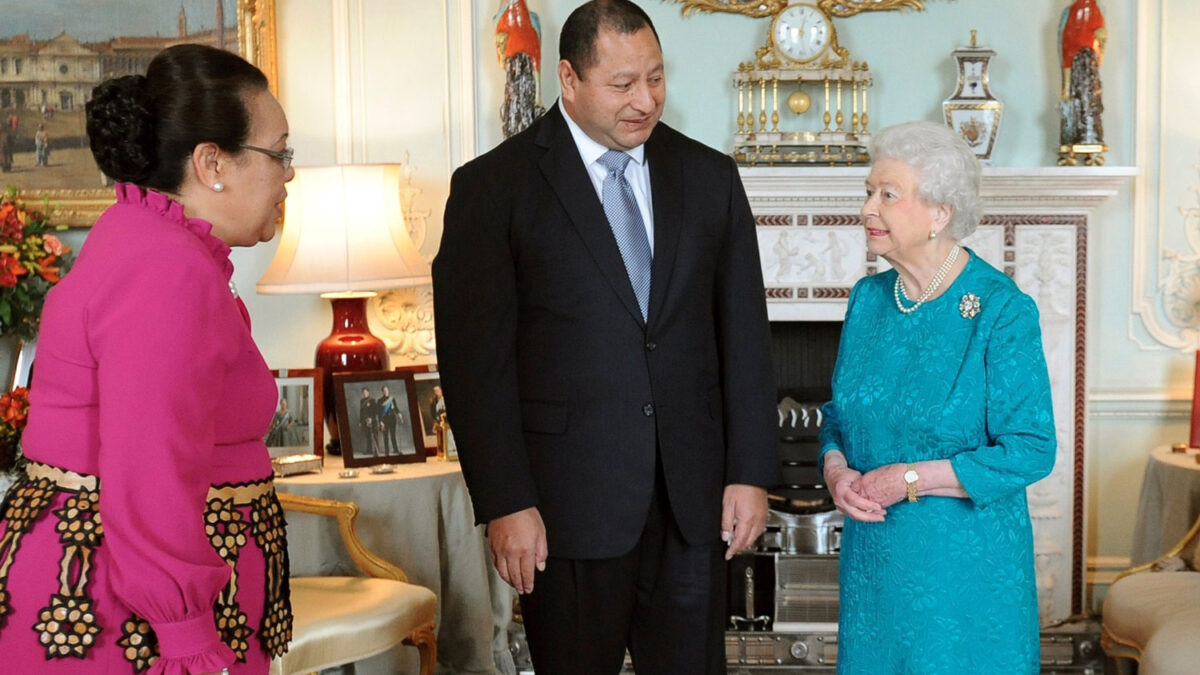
x=558, y=393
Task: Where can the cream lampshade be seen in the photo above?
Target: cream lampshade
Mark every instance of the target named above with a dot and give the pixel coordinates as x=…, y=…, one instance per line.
x=344, y=232
x=344, y=237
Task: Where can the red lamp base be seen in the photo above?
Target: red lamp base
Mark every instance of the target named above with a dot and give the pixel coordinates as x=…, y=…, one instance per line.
x=350, y=347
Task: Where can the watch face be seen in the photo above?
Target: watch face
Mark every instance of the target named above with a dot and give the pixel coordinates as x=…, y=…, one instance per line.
x=800, y=32
x=910, y=476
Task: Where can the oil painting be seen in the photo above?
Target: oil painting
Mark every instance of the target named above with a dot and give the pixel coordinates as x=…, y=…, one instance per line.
x=53, y=52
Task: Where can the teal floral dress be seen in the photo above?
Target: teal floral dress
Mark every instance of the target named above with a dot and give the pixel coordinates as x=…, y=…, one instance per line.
x=944, y=585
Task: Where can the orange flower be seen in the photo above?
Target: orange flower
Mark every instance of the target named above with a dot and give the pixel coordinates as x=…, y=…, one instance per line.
x=10, y=269
x=14, y=407
x=47, y=272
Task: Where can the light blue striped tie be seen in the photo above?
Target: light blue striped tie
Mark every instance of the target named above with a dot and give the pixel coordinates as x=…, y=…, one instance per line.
x=625, y=219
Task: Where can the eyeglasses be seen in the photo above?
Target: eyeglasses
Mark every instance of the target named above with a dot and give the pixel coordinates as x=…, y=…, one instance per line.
x=285, y=156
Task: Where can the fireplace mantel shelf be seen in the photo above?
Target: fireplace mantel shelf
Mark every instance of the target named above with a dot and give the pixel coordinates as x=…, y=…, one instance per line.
x=1052, y=188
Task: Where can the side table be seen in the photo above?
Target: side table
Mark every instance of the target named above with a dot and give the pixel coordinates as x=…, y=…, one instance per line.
x=1169, y=502
x=419, y=517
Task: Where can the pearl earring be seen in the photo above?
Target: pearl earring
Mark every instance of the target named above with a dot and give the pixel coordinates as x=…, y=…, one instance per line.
x=933, y=235
x=218, y=186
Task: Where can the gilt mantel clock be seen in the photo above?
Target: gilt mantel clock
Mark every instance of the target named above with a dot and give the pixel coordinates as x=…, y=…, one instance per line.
x=802, y=56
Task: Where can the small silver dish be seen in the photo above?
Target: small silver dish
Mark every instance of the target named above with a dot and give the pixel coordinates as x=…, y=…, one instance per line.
x=347, y=473
x=383, y=468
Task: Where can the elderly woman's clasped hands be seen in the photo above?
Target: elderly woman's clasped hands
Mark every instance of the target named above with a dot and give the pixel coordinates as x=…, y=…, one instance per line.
x=864, y=496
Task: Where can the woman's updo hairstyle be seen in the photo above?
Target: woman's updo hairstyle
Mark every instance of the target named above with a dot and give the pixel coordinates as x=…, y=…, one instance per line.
x=143, y=129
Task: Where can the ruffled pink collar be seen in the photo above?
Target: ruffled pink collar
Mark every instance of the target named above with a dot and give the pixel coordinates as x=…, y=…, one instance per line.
x=136, y=195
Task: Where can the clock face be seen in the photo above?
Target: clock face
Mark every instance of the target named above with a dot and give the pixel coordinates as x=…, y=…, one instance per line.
x=800, y=32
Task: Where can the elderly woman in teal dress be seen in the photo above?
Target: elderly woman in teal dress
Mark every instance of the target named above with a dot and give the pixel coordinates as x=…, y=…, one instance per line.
x=940, y=418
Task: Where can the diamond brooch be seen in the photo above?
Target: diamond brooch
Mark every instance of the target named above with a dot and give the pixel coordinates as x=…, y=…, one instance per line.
x=969, y=306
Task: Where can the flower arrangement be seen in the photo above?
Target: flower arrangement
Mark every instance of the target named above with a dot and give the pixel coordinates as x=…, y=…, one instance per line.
x=14, y=412
x=32, y=260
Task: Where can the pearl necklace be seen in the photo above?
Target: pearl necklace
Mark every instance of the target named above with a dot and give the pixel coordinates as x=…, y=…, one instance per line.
x=929, y=290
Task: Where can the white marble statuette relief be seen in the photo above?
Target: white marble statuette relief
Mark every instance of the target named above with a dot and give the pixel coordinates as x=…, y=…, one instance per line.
x=811, y=255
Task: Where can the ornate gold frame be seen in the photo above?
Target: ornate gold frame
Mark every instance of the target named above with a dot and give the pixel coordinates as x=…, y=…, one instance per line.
x=256, y=41
x=761, y=8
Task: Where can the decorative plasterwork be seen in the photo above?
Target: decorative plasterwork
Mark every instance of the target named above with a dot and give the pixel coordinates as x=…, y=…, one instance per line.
x=351, y=59
x=1165, y=284
x=403, y=319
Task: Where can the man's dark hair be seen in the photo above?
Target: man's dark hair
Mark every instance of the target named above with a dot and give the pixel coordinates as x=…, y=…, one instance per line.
x=577, y=42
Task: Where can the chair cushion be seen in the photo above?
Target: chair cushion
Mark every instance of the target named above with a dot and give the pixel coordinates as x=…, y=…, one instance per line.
x=1159, y=613
x=344, y=619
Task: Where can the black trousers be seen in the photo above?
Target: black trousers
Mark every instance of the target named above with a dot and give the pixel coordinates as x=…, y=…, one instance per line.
x=664, y=601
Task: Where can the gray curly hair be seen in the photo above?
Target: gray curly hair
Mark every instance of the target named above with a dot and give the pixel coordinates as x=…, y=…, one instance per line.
x=947, y=170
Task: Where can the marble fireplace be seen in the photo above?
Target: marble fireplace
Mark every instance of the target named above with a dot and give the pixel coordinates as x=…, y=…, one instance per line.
x=1035, y=229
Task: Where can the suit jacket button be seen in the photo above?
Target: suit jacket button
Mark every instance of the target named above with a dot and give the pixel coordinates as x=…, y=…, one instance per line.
x=650, y=346
x=648, y=409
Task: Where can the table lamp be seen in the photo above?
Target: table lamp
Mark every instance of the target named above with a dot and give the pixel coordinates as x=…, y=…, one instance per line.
x=344, y=237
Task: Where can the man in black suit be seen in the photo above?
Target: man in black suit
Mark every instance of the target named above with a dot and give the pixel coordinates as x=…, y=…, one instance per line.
x=603, y=346
x=368, y=420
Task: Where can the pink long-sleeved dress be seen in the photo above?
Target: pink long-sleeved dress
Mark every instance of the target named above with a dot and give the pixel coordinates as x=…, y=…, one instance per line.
x=146, y=536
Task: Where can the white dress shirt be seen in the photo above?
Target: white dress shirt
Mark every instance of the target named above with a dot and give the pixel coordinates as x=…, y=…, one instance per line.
x=636, y=172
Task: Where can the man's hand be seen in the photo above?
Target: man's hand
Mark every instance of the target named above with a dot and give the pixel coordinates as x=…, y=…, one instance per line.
x=743, y=516
x=845, y=486
x=518, y=543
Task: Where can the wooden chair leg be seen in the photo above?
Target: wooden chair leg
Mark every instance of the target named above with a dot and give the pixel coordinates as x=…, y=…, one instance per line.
x=425, y=640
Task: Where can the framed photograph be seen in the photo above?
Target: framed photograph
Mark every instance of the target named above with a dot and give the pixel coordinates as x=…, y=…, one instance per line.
x=298, y=425
x=377, y=416
x=16, y=362
x=429, y=401
x=53, y=55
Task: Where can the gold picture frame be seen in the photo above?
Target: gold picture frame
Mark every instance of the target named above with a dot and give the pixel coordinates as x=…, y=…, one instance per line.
x=256, y=43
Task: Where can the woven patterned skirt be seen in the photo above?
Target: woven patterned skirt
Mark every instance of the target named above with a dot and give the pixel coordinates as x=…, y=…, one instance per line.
x=58, y=613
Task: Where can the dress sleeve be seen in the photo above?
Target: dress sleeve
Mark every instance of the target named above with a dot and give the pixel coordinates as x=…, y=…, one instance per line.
x=1020, y=421
x=161, y=341
x=830, y=436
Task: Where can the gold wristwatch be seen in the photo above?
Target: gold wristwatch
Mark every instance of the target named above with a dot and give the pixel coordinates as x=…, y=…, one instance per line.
x=910, y=482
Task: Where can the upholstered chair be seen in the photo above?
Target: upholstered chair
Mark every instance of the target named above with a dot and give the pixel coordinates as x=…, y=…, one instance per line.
x=340, y=620
x=1152, y=612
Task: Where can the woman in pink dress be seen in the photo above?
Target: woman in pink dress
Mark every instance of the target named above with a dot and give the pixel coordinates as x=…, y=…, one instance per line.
x=146, y=535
